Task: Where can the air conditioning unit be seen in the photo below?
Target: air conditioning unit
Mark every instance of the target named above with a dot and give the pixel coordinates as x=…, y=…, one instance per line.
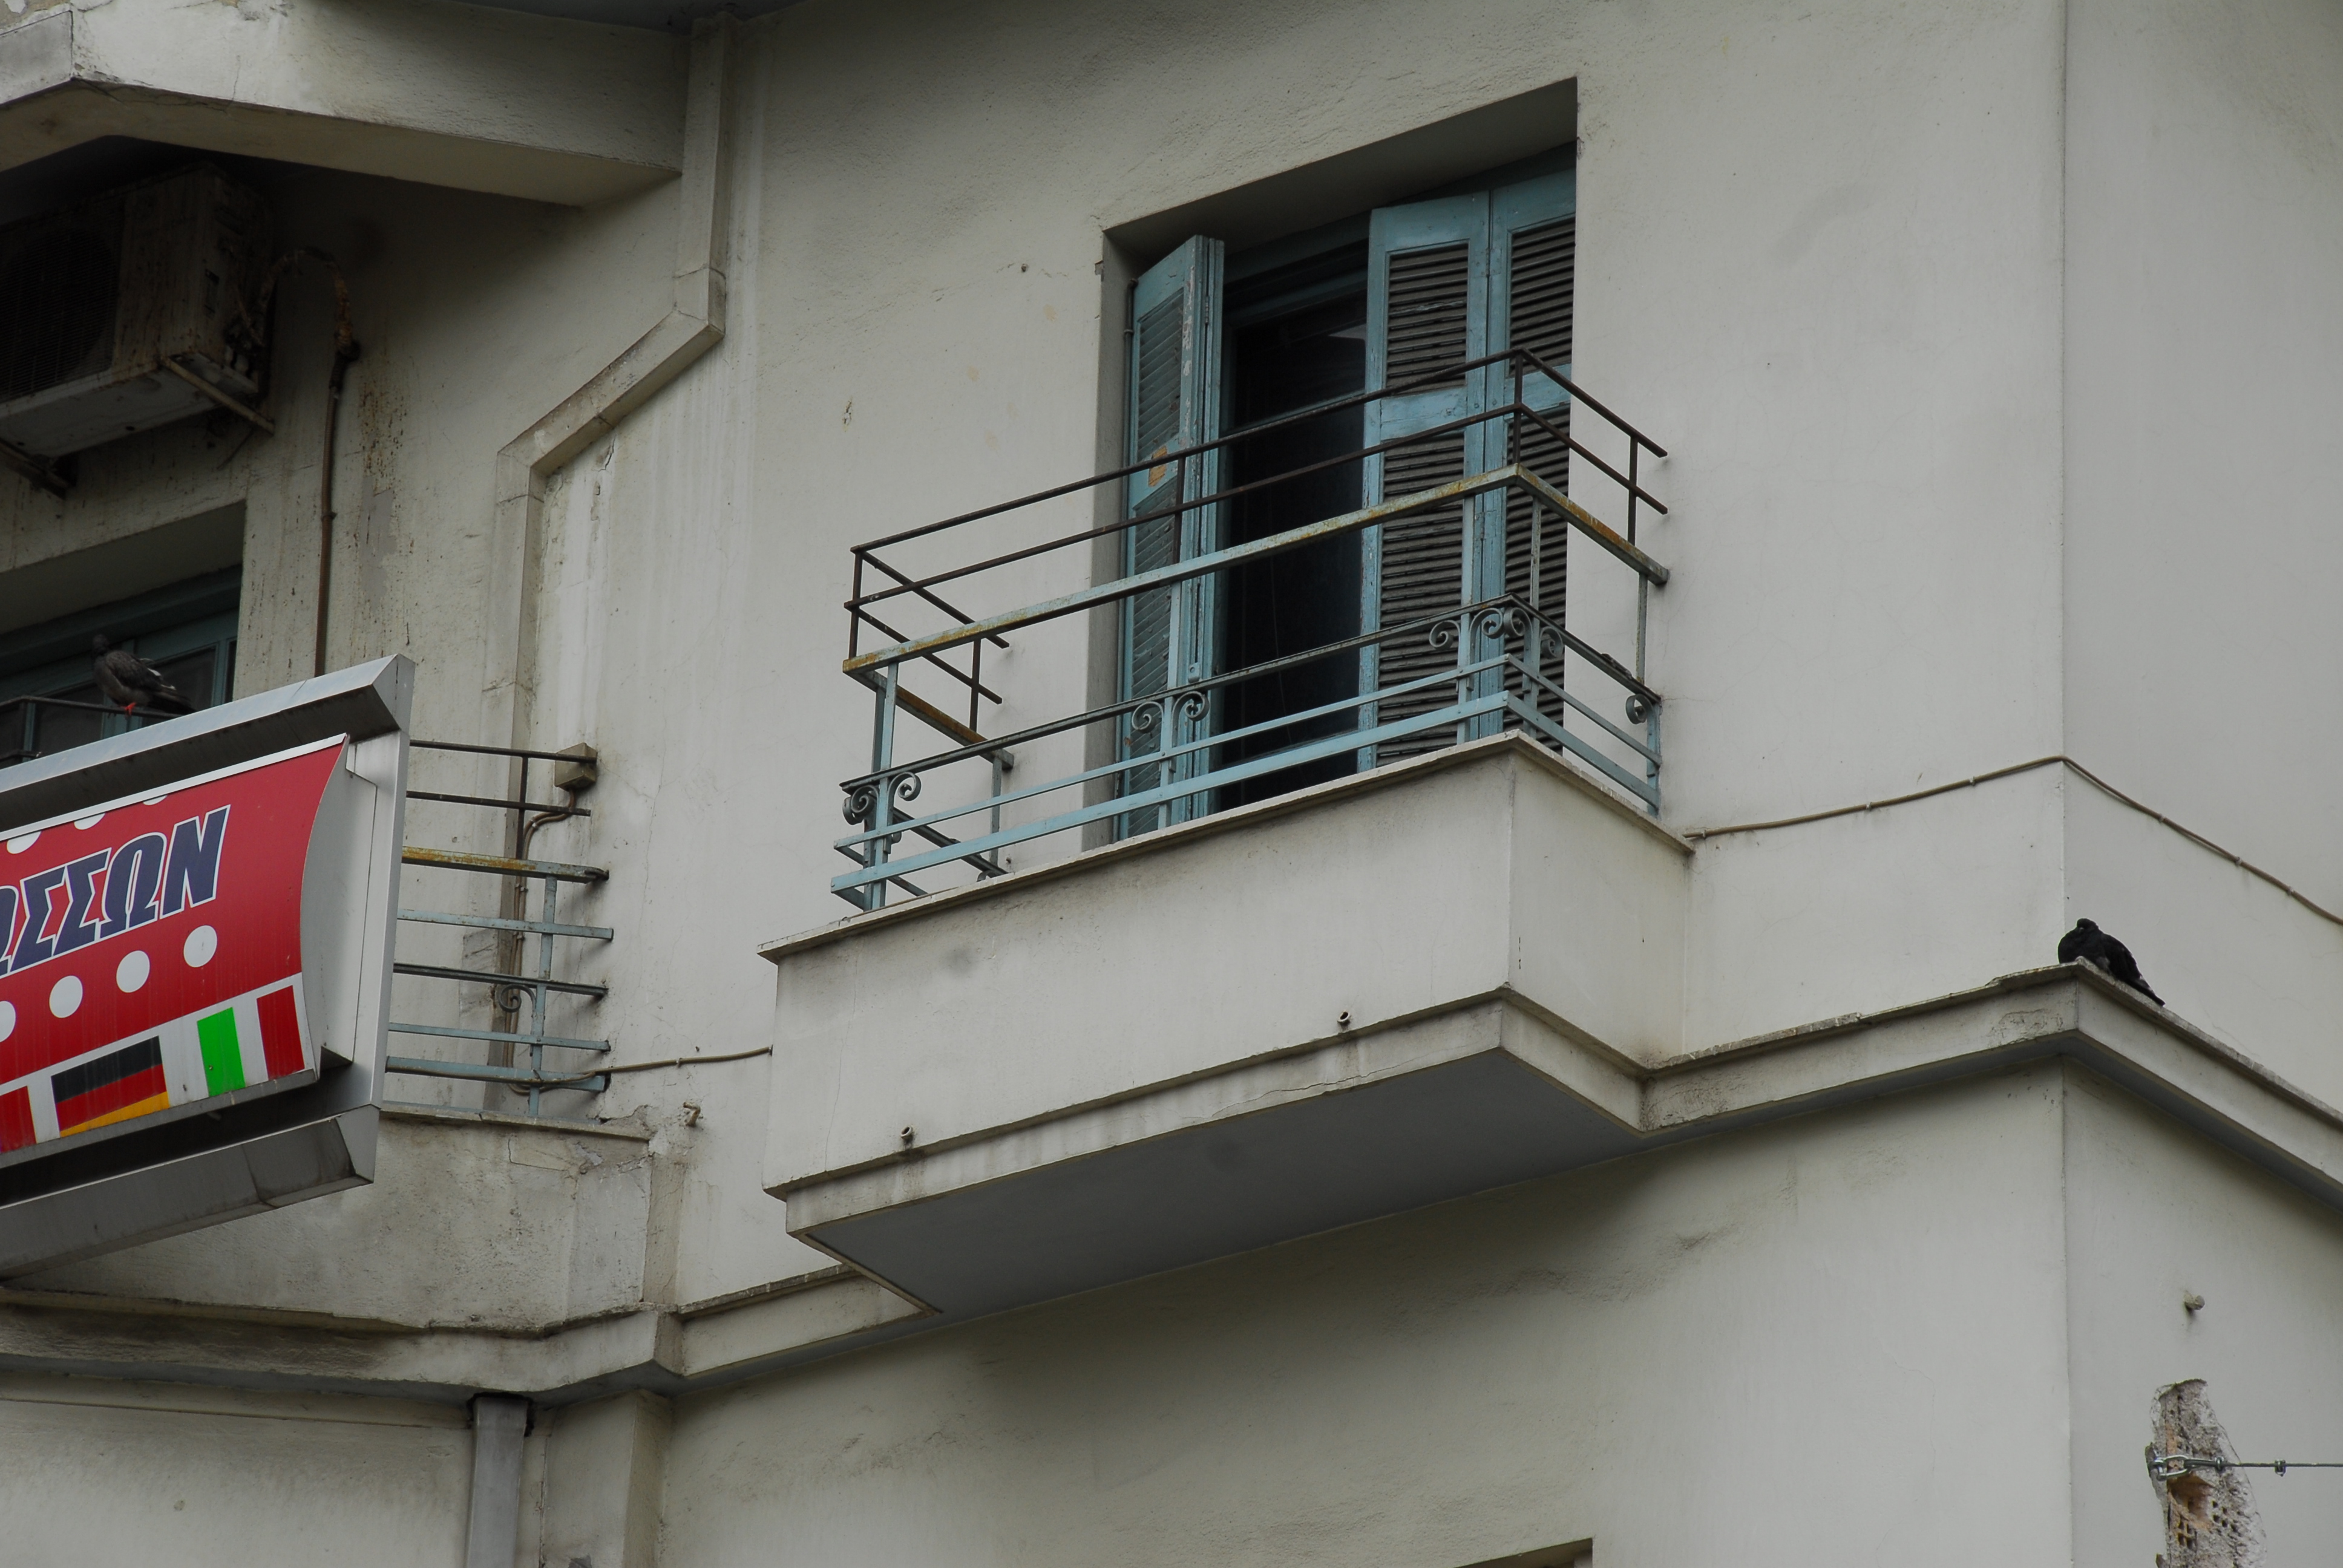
x=130, y=310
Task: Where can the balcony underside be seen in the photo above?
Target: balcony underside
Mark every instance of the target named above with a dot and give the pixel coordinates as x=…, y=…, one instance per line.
x=1472, y=1100
x=1434, y=1109
x=472, y=100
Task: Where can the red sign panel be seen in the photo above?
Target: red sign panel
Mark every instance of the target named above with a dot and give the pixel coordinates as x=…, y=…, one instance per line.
x=152, y=949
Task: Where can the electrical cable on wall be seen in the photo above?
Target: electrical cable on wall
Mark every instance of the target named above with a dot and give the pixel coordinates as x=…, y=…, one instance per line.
x=2172, y=1466
x=1699, y=834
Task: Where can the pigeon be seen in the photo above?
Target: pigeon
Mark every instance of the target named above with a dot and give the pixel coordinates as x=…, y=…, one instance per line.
x=130, y=681
x=2089, y=944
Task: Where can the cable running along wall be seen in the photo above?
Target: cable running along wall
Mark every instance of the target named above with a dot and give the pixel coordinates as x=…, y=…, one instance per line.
x=2288, y=888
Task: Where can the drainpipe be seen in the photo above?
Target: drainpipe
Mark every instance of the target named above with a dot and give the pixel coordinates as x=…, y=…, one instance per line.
x=693, y=324
x=345, y=350
x=261, y=325
x=499, y=1423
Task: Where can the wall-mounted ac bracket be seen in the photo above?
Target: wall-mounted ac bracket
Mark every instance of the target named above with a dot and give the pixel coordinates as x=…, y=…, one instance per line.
x=177, y=366
x=38, y=471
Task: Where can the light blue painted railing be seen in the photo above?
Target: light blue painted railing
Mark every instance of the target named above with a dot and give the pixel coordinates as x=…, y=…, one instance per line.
x=523, y=1001
x=1160, y=757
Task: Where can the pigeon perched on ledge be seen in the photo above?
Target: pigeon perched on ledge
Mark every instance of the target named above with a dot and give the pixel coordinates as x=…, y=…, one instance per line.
x=130, y=681
x=2089, y=944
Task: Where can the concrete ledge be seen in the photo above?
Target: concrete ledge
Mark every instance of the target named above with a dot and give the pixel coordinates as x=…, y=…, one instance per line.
x=1621, y=1109
x=54, y=1334
x=2070, y=1011
x=497, y=1253
x=1485, y=1094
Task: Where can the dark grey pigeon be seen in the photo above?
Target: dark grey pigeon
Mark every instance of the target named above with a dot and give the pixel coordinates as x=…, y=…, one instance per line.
x=130, y=681
x=2089, y=944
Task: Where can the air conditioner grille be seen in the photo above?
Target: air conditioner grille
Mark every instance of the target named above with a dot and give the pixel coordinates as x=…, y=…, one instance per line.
x=56, y=310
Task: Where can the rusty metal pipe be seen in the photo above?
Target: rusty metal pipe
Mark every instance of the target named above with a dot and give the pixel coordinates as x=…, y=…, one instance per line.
x=345, y=350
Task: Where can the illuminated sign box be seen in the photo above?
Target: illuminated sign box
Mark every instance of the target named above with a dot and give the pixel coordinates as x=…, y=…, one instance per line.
x=195, y=933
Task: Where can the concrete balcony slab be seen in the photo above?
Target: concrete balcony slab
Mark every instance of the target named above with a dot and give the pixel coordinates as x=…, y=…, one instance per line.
x=484, y=100
x=1436, y=978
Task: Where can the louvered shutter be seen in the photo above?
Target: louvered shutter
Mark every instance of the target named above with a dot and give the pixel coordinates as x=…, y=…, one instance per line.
x=1174, y=398
x=1449, y=281
x=1427, y=311
x=1533, y=254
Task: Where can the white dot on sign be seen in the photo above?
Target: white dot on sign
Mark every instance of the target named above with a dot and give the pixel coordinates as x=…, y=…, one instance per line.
x=202, y=943
x=87, y=823
x=65, y=997
x=23, y=842
x=131, y=972
x=7, y=1019
x=153, y=800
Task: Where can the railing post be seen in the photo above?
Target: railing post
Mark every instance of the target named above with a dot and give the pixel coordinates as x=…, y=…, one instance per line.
x=1652, y=763
x=1533, y=647
x=1482, y=635
x=512, y=902
x=1634, y=485
x=975, y=680
x=551, y=903
x=1642, y=620
x=1189, y=657
x=1464, y=642
x=882, y=757
x=854, y=609
x=1485, y=523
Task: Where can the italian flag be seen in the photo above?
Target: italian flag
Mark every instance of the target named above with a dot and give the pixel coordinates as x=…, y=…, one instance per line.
x=202, y=1055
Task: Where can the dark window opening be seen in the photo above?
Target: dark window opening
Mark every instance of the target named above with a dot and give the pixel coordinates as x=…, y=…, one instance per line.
x=1297, y=336
x=1279, y=662
x=187, y=630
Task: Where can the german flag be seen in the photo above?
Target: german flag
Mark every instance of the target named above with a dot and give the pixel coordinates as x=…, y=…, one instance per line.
x=220, y=1049
x=112, y=1088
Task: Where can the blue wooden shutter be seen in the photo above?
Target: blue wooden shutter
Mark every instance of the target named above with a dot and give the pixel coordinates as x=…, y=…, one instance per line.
x=1169, y=636
x=1533, y=255
x=1449, y=281
x=1427, y=310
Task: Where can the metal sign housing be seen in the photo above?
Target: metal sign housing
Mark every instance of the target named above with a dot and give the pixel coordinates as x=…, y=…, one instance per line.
x=196, y=964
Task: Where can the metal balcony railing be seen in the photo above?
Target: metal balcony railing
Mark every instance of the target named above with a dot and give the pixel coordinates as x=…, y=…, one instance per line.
x=516, y=1054
x=28, y=725
x=1495, y=653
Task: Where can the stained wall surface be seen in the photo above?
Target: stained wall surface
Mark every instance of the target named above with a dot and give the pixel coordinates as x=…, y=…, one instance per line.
x=1754, y=1351
x=2153, y=1217
x=125, y=1473
x=2204, y=344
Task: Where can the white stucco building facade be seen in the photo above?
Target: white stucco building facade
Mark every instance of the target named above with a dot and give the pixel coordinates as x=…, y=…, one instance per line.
x=1445, y=1158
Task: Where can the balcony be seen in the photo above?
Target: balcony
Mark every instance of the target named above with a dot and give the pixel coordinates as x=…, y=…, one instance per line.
x=1232, y=970
x=1478, y=570
x=530, y=1003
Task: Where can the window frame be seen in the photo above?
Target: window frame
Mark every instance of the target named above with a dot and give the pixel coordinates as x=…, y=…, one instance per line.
x=52, y=658
x=1491, y=203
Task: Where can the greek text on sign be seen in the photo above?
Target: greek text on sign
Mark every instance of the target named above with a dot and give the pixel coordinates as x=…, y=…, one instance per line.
x=152, y=958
